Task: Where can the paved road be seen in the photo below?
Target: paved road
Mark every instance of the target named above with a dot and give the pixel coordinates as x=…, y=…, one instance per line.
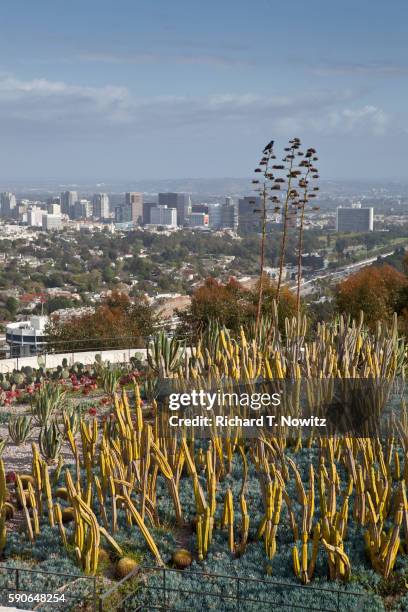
x=307, y=285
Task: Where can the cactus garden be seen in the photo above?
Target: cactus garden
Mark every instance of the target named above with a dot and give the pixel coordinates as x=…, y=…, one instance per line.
x=103, y=488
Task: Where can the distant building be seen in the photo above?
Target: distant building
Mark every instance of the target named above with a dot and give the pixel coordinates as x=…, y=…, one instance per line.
x=51, y=222
x=35, y=216
x=100, y=203
x=197, y=219
x=229, y=215
x=135, y=201
x=359, y=220
x=200, y=208
x=8, y=204
x=162, y=215
x=249, y=220
x=26, y=337
x=54, y=208
x=68, y=199
x=82, y=209
x=131, y=211
x=180, y=201
x=147, y=206
x=214, y=214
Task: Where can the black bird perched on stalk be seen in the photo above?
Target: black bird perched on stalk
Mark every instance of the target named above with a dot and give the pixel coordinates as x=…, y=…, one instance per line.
x=269, y=147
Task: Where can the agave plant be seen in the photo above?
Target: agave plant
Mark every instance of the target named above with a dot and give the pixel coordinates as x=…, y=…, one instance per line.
x=19, y=428
x=165, y=355
x=47, y=401
x=50, y=441
x=110, y=379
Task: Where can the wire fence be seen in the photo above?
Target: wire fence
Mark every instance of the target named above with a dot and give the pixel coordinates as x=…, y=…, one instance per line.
x=163, y=589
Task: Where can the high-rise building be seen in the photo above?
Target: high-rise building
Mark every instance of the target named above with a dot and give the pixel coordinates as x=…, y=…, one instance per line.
x=8, y=204
x=35, y=216
x=229, y=214
x=214, y=214
x=147, y=206
x=54, y=208
x=162, y=215
x=101, y=206
x=180, y=201
x=134, y=200
x=249, y=220
x=68, y=199
x=358, y=220
x=82, y=209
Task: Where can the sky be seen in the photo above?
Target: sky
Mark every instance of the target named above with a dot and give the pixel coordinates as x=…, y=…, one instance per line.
x=142, y=89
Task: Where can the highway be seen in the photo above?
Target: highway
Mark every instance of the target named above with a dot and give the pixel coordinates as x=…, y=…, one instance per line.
x=306, y=286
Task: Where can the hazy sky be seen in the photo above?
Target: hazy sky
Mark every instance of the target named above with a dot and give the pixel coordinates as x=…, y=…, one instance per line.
x=186, y=88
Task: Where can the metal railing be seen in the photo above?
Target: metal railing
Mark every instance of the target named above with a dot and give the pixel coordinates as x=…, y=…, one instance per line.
x=17, y=583
x=161, y=595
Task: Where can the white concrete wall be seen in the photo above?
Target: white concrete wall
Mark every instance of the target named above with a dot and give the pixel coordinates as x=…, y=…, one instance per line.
x=86, y=357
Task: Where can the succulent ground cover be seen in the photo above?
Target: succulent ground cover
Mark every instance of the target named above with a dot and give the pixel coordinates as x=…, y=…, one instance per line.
x=106, y=490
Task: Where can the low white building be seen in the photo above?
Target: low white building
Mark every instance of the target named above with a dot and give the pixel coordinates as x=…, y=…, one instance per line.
x=26, y=338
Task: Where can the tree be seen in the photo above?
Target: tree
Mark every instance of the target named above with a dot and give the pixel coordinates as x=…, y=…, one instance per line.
x=232, y=305
x=12, y=306
x=375, y=290
x=116, y=323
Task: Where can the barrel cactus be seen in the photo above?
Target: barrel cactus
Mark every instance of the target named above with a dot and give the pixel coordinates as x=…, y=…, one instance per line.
x=125, y=566
x=182, y=558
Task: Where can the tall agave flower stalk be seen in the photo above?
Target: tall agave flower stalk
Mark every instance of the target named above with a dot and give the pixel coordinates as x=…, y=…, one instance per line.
x=263, y=187
x=309, y=189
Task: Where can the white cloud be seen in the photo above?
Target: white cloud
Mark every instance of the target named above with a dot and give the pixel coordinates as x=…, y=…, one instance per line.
x=369, y=117
x=43, y=99
x=48, y=103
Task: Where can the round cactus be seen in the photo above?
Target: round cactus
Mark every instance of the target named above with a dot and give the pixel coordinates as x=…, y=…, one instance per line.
x=125, y=566
x=65, y=373
x=18, y=378
x=5, y=385
x=61, y=493
x=68, y=515
x=182, y=558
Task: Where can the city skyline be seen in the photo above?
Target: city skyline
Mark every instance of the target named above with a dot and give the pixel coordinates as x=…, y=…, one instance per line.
x=189, y=90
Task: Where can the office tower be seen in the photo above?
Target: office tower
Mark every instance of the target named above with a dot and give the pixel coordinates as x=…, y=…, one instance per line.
x=249, y=220
x=101, y=206
x=68, y=199
x=51, y=222
x=54, y=208
x=180, y=201
x=358, y=220
x=147, y=206
x=162, y=215
x=8, y=204
x=214, y=215
x=34, y=216
x=82, y=209
x=134, y=201
x=229, y=214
